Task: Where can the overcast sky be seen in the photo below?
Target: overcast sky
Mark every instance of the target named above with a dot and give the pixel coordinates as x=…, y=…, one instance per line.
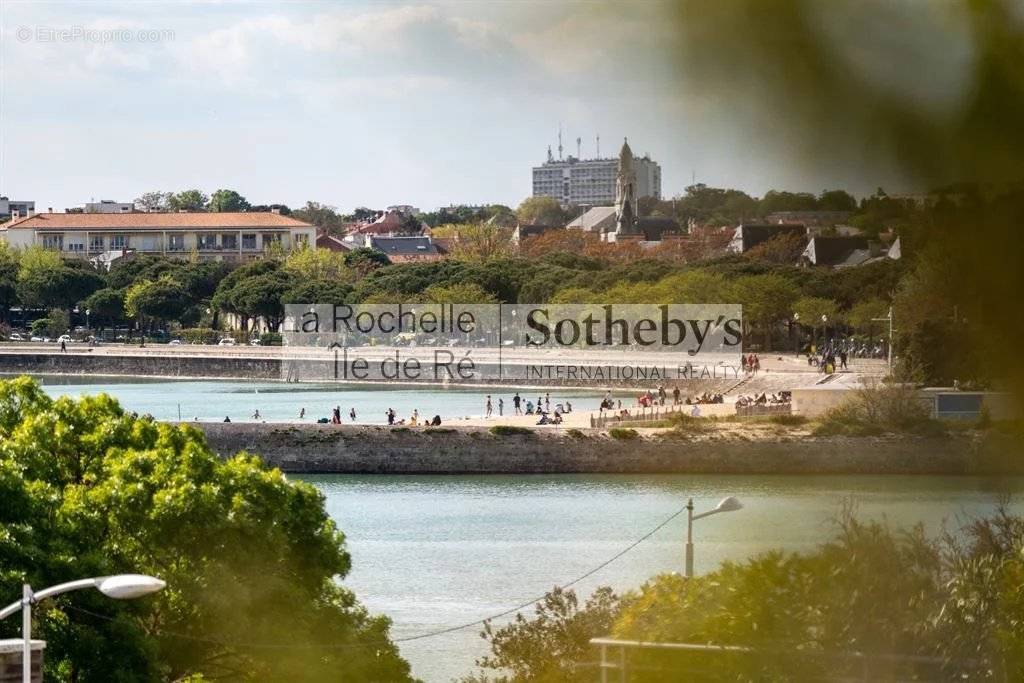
x=354, y=104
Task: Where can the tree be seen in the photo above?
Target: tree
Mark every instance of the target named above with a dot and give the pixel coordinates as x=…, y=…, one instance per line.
x=783, y=250
x=540, y=211
x=8, y=279
x=318, y=264
x=161, y=300
x=766, y=299
x=318, y=292
x=480, y=242
x=45, y=281
x=105, y=306
x=410, y=225
x=153, y=201
x=865, y=316
x=836, y=200
x=320, y=215
x=187, y=200
x=364, y=260
x=462, y=293
x=250, y=558
x=225, y=201
x=816, y=313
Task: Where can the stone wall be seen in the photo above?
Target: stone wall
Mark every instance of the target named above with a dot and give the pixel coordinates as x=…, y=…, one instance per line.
x=351, y=449
x=213, y=366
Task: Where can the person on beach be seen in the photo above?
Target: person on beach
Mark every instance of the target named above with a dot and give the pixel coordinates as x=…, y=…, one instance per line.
x=501, y=407
x=336, y=416
x=256, y=415
x=529, y=408
x=547, y=403
x=436, y=422
x=302, y=413
x=488, y=407
x=414, y=420
x=391, y=416
x=517, y=404
x=352, y=414
x=227, y=419
x=675, y=396
x=63, y=347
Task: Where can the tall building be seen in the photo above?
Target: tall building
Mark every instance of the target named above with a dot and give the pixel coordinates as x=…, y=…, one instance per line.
x=10, y=208
x=591, y=182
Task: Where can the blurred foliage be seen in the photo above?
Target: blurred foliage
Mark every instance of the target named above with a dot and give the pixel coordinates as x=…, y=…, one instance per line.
x=874, y=590
x=250, y=559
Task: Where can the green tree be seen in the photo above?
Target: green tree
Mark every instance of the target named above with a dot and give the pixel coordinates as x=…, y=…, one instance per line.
x=105, y=306
x=45, y=281
x=816, y=313
x=187, y=200
x=153, y=201
x=836, y=200
x=224, y=201
x=8, y=279
x=766, y=300
x=163, y=300
x=459, y=293
x=320, y=215
x=250, y=558
x=864, y=316
x=540, y=211
x=318, y=264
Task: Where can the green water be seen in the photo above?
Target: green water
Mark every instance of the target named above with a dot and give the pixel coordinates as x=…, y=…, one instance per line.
x=434, y=552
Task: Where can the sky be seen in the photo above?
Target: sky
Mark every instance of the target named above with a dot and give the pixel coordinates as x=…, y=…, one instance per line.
x=357, y=104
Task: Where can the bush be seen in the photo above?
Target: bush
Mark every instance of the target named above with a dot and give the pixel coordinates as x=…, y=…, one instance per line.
x=199, y=335
x=510, y=430
x=684, y=423
x=439, y=430
x=623, y=434
x=788, y=420
x=879, y=409
x=575, y=433
x=271, y=339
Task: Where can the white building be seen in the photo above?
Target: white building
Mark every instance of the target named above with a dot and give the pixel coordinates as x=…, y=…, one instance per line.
x=211, y=236
x=591, y=182
x=10, y=208
x=109, y=206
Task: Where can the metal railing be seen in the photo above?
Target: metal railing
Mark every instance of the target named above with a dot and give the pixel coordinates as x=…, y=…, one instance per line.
x=615, y=663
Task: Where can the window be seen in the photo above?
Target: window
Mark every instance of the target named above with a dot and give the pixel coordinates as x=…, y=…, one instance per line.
x=271, y=239
x=248, y=241
x=207, y=242
x=175, y=243
x=78, y=246
x=229, y=241
x=118, y=242
x=302, y=240
x=53, y=241
x=96, y=243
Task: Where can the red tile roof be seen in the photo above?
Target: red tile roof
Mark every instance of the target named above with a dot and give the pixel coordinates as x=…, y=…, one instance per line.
x=137, y=221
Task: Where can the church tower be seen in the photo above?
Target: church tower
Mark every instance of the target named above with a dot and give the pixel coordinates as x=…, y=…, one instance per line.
x=625, y=193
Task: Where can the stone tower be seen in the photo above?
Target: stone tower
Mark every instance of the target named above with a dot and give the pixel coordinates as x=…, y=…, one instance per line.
x=625, y=193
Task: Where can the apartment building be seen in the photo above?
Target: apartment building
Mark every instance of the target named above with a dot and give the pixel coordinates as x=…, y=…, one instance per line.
x=591, y=182
x=214, y=236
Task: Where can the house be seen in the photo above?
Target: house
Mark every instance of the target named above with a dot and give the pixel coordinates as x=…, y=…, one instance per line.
x=838, y=252
x=811, y=219
x=11, y=208
x=750, y=235
x=328, y=241
x=212, y=236
x=524, y=230
x=406, y=249
x=598, y=219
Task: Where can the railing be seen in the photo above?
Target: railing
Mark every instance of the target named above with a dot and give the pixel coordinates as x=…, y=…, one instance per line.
x=759, y=409
x=841, y=666
x=639, y=414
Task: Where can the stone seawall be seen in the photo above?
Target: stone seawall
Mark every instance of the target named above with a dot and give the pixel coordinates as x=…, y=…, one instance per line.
x=351, y=450
x=152, y=365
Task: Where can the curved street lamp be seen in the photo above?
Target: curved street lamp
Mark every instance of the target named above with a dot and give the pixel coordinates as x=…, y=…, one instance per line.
x=119, y=587
x=727, y=504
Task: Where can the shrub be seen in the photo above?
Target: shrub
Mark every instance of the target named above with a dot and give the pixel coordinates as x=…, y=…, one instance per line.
x=439, y=430
x=878, y=409
x=270, y=339
x=623, y=434
x=575, y=433
x=199, y=335
x=510, y=430
x=788, y=420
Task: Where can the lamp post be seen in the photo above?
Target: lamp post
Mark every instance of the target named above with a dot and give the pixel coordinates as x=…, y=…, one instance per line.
x=728, y=504
x=888, y=319
x=796, y=341
x=119, y=587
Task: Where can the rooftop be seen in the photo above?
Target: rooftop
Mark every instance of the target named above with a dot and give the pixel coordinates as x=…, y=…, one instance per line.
x=136, y=221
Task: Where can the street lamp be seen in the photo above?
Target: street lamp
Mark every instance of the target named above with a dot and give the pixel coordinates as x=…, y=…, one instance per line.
x=727, y=504
x=119, y=587
x=796, y=341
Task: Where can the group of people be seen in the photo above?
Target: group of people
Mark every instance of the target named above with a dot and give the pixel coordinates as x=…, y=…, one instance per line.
x=750, y=363
x=764, y=399
x=826, y=359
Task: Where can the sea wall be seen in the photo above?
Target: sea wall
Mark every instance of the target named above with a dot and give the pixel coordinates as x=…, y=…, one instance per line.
x=153, y=365
x=349, y=449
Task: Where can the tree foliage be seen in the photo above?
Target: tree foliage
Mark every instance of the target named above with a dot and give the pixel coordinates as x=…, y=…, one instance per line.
x=250, y=559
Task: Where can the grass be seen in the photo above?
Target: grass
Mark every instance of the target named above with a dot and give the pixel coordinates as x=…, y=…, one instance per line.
x=439, y=430
x=575, y=433
x=623, y=434
x=788, y=420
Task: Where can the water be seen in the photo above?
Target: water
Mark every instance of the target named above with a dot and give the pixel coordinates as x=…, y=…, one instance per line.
x=277, y=401
x=435, y=552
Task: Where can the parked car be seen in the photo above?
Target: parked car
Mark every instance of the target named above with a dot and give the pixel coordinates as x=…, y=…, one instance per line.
x=37, y=339
x=66, y=338
x=15, y=337
x=254, y=342
x=226, y=341
x=174, y=342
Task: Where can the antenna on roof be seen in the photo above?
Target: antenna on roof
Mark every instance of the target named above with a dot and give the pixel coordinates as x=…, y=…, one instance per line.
x=559, y=140
x=598, y=145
